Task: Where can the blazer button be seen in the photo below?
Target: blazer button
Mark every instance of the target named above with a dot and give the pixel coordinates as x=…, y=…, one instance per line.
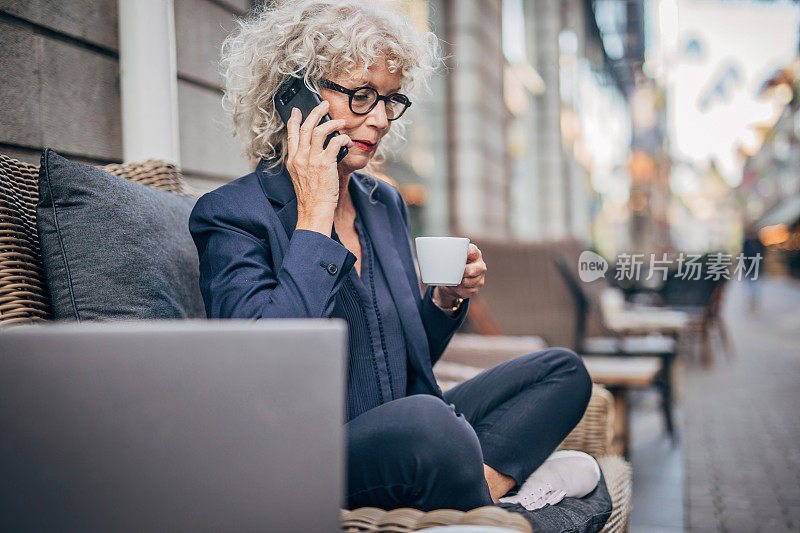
x=332, y=269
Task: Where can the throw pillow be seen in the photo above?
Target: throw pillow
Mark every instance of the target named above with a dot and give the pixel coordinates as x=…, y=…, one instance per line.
x=114, y=249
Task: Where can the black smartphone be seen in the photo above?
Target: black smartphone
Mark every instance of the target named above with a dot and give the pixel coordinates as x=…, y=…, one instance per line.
x=294, y=93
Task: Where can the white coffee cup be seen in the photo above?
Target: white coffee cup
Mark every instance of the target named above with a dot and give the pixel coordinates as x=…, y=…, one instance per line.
x=442, y=259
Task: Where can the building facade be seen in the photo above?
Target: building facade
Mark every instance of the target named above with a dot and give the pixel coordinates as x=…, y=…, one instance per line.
x=61, y=84
x=498, y=148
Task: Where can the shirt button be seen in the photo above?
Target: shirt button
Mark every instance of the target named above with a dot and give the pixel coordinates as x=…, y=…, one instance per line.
x=332, y=269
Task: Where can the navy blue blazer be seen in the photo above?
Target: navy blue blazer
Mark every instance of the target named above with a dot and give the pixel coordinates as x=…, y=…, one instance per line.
x=253, y=264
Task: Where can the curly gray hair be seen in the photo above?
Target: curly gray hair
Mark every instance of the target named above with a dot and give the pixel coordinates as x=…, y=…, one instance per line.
x=321, y=38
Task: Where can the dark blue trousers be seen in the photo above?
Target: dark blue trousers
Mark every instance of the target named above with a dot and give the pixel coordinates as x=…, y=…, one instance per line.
x=426, y=453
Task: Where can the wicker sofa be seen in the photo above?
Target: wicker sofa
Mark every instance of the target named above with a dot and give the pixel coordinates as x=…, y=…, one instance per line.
x=24, y=299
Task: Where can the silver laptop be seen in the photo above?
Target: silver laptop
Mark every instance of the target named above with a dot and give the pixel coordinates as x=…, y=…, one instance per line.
x=172, y=426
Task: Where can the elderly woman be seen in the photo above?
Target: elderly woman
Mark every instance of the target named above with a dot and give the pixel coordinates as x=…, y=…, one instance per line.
x=303, y=236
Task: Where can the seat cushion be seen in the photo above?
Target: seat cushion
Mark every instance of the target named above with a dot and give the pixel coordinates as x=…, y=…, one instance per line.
x=114, y=249
x=574, y=515
x=634, y=345
x=486, y=351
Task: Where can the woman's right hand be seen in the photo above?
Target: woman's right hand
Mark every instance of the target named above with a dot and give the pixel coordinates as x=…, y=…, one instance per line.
x=313, y=170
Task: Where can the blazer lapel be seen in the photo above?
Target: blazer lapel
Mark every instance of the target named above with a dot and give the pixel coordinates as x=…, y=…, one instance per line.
x=277, y=186
x=381, y=232
x=288, y=216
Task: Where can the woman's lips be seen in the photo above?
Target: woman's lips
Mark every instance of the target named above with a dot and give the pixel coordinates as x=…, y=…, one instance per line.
x=364, y=146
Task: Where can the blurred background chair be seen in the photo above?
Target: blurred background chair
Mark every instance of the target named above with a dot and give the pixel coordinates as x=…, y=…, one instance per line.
x=702, y=300
x=542, y=297
x=653, y=344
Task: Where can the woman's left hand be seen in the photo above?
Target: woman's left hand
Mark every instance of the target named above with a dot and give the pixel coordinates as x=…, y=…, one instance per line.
x=471, y=282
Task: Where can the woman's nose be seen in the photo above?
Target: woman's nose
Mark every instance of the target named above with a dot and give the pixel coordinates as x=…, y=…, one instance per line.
x=377, y=117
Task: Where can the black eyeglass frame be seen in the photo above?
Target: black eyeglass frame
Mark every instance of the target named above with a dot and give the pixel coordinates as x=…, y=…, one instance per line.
x=328, y=84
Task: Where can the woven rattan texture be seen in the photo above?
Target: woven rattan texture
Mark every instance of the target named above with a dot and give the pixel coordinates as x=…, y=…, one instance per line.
x=619, y=476
x=23, y=293
x=152, y=172
x=595, y=431
x=23, y=290
x=402, y=520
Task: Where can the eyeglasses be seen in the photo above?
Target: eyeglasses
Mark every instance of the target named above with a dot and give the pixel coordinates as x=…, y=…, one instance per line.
x=364, y=99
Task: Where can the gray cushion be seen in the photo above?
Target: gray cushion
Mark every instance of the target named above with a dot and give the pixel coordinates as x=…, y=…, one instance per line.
x=114, y=249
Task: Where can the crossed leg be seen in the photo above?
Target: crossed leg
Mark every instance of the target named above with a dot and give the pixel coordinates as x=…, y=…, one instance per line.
x=490, y=434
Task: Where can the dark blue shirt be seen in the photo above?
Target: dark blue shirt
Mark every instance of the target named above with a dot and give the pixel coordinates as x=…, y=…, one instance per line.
x=378, y=355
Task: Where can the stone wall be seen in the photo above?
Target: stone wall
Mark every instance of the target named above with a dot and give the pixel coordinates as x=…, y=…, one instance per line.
x=60, y=84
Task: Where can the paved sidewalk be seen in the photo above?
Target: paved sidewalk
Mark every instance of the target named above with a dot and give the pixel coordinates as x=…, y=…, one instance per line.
x=658, y=467
x=742, y=419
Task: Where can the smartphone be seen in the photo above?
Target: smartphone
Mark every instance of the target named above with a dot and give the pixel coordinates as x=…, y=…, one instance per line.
x=294, y=93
